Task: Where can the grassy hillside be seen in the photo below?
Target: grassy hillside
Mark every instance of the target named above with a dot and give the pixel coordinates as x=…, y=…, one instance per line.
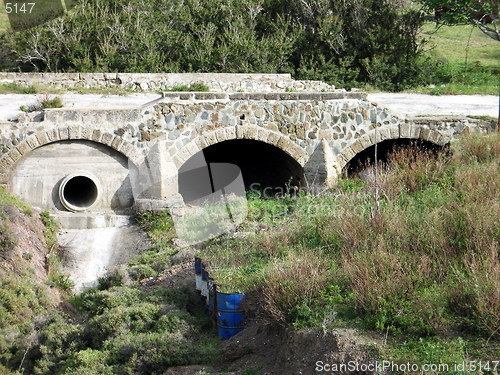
x=122, y=327
x=4, y=20
x=422, y=271
x=449, y=44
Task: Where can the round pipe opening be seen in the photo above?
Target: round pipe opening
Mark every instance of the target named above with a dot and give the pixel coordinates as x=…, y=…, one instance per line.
x=79, y=191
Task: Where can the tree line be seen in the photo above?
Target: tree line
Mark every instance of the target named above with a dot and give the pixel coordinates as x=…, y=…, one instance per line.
x=346, y=43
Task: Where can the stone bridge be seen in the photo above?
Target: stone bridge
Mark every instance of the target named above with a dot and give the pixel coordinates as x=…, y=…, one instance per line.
x=88, y=160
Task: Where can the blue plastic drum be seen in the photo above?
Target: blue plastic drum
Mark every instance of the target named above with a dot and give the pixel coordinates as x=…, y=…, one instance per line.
x=230, y=314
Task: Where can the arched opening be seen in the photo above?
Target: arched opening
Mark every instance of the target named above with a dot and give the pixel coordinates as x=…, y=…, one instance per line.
x=265, y=168
x=364, y=160
x=79, y=191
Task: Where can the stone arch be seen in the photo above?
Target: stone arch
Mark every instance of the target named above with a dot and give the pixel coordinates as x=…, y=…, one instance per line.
x=44, y=137
x=401, y=131
x=249, y=132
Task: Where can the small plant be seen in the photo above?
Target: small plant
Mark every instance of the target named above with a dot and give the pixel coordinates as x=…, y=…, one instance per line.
x=193, y=87
x=52, y=227
x=62, y=282
x=7, y=239
x=55, y=102
x=45, y=102
x=31, y=108
x=27, y=256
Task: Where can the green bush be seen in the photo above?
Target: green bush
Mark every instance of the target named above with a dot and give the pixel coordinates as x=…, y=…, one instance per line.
x=141, y=271
x=152, y=353
x=20, y=301
x=55, y=102
x=88, y=362
x=113, y=278
x=57, y=342
x=51, y=229
x=157, y=259
x=192, y=87
x=7, y=238
x=138, y=318
x=96, y=302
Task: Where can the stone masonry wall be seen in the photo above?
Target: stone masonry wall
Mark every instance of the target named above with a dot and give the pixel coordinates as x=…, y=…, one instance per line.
x=217, y=82
x=343, y=124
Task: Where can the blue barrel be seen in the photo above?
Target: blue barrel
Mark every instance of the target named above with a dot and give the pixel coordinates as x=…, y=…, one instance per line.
x=230, y=314
x=230, y=318
x=227, y=332
x=197, y=279
x=197, y=266
x=230, y=301
x=211, y=295
x=204, y=286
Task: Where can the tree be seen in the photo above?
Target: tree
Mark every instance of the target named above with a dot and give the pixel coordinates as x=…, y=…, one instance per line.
x=482, y=13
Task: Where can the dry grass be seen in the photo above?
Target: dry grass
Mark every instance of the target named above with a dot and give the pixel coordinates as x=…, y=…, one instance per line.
x=288, y=284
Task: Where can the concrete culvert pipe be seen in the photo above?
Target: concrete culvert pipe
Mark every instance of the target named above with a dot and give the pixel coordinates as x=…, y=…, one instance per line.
x=79, y=191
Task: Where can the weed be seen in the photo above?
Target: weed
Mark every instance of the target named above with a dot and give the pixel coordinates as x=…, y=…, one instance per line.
x=51, y=229
x=192, y=87
x=14, y=88
x=49, y=102
x=7, y=238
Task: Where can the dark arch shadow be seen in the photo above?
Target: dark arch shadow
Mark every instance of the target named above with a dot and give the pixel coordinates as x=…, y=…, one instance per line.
x=264, y=168
x=367, y=157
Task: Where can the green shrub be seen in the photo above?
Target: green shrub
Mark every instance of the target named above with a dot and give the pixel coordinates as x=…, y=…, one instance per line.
x=114, y=278
x=138, y=318
x=159, y=226
x=313, y=42
x=31, y=108
x=20, y=301
x=88, y=362
x=157, y=259
x=192, y=87
x=56, y=342
x=55, y=102
x=96, y=302
x=51, y=229
x=7, y=238
x=152, y=353
x=141, y=271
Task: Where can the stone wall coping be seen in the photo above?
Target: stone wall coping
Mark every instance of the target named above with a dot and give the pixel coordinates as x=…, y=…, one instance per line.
x=223, y=77
x=340, y=94
x=427, y=119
